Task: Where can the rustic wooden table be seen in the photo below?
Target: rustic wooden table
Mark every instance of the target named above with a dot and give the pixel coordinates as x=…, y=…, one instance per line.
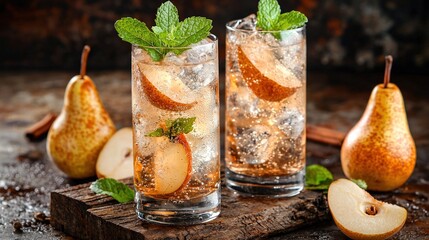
x=334, y=100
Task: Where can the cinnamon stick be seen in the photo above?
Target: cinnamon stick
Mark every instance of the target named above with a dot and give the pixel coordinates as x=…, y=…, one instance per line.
x=325, y=135
x=39, y=130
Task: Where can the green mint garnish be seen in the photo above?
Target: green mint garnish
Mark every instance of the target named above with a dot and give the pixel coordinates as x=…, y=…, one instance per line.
x=317, y=177
x=136, y=32
x=291, y=20
x=167, y=17
x=268, y=14
x=119, y=191
x=269, y=17
x=174, y=128
x=168, y=33
x=361, y=183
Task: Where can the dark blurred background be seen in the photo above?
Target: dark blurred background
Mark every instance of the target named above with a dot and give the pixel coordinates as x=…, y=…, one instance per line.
x=347, y=35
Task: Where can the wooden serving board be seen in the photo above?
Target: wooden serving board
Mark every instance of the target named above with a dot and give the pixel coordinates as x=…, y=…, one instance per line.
x=85, y=215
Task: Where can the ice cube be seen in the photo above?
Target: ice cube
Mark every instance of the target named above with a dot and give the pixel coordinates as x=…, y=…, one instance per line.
x=172, y=58
x=291, y=122
x=291, y=53
x=204, y=158
x=270, y=40
x=247, y=23
x=255, y=144
x=199, y=75
x=200, y=52
x=243, y=103
x=203, y=150
x=290, y=37
x=206, y=113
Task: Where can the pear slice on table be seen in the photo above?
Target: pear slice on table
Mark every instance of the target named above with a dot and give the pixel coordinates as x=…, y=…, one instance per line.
x=360, y=216
x=265, y=75
x=164, y=90
x=172, y=165
x=116, y=158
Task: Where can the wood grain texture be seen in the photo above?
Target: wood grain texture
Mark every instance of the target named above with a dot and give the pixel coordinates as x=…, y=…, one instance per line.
x=90, y=216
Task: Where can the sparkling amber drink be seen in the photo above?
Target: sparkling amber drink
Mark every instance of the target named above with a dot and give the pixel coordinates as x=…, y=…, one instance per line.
x=175, y=106
x=265, y=109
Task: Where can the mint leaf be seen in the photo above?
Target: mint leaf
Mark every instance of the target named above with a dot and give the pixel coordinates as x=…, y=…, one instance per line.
x=173, y=128
x=157, y=30
x=189, y=31
x=135, y=32
x=361, y=183
x=268, y=14
x=291, y=20
x=159, y=132
x=167, y=17
x=317, y=177
x=119, y=191
x=182, y=125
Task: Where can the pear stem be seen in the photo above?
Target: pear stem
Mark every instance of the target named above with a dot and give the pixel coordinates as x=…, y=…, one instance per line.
x=387, y=70
x=84, y=60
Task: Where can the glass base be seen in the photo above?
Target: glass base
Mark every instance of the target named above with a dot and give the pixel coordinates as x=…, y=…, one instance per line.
x=274, y=187
x=174, y=212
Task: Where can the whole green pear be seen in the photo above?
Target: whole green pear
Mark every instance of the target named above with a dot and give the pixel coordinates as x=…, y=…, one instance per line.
x=83, y=127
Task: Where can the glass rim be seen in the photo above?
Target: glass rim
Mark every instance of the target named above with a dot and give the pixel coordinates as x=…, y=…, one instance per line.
x=211, y=36
x=229, y=27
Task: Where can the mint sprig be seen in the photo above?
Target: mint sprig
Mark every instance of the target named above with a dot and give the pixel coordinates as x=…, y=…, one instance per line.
x=167, y=35
x=269, y=17
x=119, y=191
x=173, y=128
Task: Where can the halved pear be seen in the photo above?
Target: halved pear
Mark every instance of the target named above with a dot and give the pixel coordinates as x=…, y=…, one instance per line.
x=360, y=216
x=266, y=76
x=172, y=166
x=116, y=158
x=165, y=91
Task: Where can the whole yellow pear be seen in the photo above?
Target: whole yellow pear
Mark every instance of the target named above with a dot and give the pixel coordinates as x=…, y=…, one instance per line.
x=379, y=148
x=82, y=128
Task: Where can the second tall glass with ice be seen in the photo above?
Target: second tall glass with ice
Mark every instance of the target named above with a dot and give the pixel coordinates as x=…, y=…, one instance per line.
x=265, y=109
